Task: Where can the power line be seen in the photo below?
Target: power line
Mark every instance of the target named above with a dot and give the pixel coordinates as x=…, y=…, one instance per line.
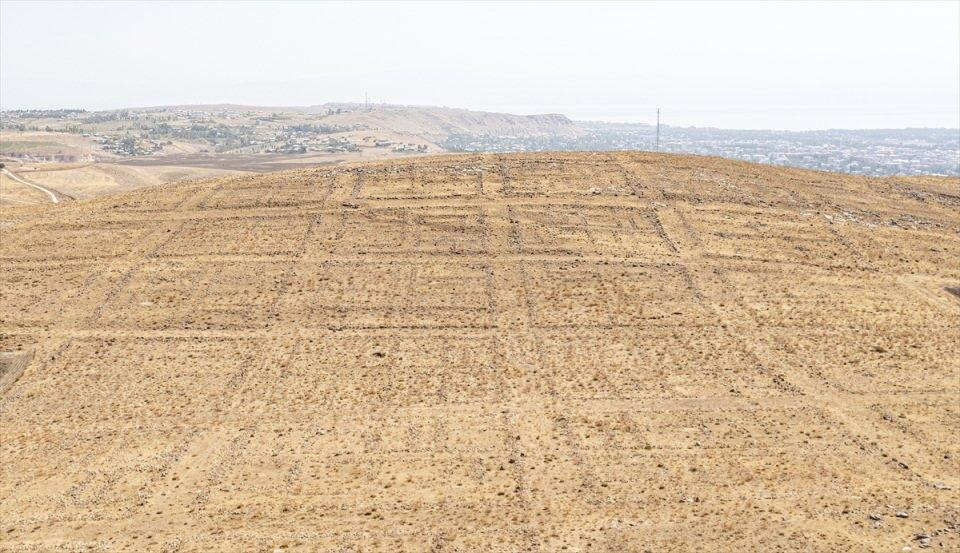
x=658, y=129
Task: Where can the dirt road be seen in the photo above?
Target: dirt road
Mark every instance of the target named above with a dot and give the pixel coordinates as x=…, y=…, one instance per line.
x=54, y=195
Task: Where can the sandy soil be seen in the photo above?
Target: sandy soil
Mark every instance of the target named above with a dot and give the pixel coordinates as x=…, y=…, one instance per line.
x=15, y=194
x=99, y=179
x=609, y=352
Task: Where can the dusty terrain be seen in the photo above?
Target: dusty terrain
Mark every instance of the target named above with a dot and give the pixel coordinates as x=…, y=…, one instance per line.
x=89, y=180
x=87, y=154
x=609, y=352
x=32, y=184
x=15, y=194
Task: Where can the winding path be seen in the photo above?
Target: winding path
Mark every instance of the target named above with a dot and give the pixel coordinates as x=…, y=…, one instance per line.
x=55, y=196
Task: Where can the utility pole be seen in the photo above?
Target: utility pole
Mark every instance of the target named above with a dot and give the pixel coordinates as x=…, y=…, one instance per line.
x=658, y=129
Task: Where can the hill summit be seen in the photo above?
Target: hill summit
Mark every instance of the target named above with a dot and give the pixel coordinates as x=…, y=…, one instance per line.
x=605, y=351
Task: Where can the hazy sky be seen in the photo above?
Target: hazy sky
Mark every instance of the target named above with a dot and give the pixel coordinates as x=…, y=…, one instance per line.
x=735, y=65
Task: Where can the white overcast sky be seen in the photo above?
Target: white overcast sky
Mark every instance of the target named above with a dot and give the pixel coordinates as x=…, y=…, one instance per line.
x=735, y=65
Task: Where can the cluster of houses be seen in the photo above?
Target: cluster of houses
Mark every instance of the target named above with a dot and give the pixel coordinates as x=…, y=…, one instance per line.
x=410, y=148
x=129, y=146
x=131, y=133
x=328, y=144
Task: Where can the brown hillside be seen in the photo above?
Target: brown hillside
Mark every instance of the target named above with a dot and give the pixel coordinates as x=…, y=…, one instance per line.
x=438, y=123
x=606, y=352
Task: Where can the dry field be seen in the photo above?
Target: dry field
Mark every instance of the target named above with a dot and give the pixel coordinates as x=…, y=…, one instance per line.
x=45, y=144
x=89, y=180
x=578, y=352
x=77, y=181
x=14, y=194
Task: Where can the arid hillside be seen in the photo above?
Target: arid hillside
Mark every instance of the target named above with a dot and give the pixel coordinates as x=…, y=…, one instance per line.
x=438, y=123
x=76, y=181
x=553, y=352
x=78, y=154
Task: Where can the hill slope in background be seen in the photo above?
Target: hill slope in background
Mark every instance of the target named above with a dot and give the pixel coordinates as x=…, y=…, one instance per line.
x=438, y=123
x=619, y=352
x=80, y=154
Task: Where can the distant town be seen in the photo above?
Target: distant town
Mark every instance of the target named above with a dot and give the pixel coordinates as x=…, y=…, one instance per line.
x=159, y=131
x=332, y=129
x=858, y=152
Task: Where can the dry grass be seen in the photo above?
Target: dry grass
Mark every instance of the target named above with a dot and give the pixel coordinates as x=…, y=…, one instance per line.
x=99, y=179
x=614, y=352
x=45, y=144
x=14, y=194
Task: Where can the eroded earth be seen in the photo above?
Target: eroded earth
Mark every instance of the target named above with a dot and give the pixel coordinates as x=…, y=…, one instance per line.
x=580, y=352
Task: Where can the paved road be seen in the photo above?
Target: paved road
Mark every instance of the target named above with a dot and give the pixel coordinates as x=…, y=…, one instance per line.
x=54, y=195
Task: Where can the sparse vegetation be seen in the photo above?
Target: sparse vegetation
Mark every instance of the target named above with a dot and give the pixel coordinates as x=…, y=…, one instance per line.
x=612, y=351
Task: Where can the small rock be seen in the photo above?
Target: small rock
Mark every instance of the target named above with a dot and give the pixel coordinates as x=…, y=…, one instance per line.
x=875, y=517
x=924, y=543
x=902, y=514
x=595, y=191
x=941, y=486
x=921, y=536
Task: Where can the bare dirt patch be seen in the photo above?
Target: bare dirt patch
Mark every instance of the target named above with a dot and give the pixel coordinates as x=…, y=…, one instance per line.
x=12, y=365
x=604, y=351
